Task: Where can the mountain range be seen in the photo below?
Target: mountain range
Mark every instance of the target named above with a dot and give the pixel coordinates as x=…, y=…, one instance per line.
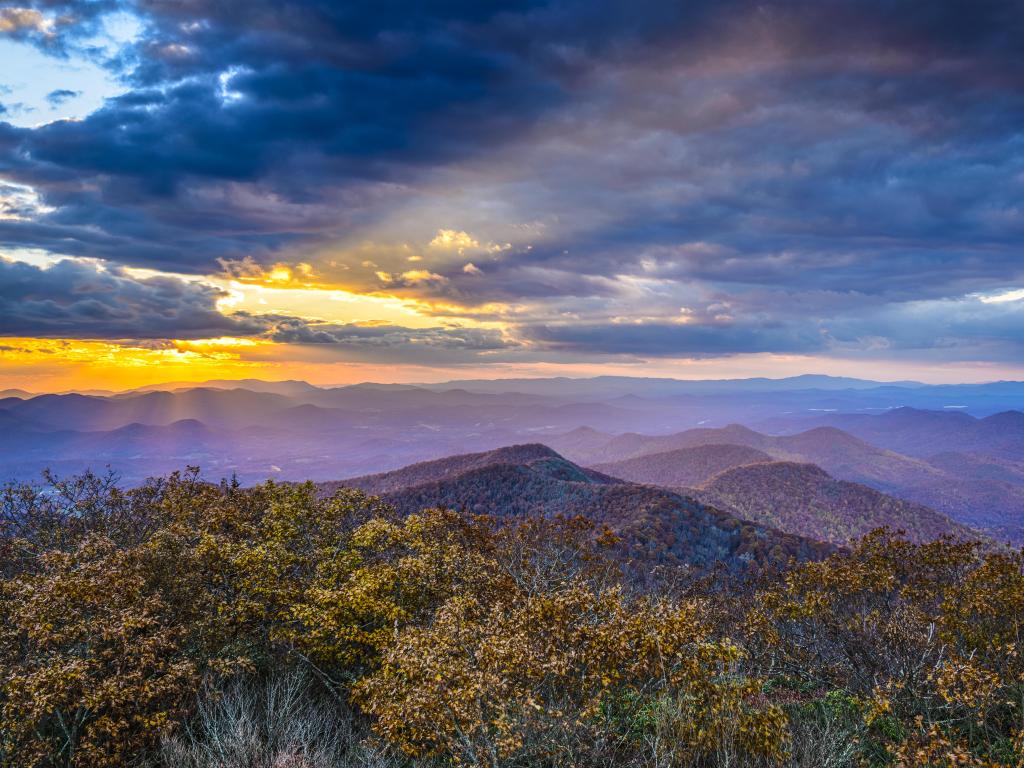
x=794, y=497
x=963, y=490
x=655, y=526
x=923, y=433
x=965, y=463
x=691, y=466
x=805, y=499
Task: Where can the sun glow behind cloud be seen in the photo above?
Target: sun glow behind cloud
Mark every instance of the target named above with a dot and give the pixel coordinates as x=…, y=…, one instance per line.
x=1000, y=298
x=727, y=192
x=44, y=364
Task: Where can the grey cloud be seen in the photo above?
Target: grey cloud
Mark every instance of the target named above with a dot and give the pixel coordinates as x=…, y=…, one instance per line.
x=967, y=328
x=675, y=339
x=61, y=95
x=294, y=331
x=824, y=169
x=76, y=300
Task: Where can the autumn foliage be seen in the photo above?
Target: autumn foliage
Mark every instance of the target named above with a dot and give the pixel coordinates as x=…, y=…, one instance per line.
x=144, y=627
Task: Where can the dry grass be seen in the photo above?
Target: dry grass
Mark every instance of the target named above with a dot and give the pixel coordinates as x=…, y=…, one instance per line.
x=287, y=721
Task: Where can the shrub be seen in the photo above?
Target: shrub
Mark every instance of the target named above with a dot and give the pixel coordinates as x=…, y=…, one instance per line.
x=115, y=606
x=195, y=625
x=927, y=635
x=528, y=680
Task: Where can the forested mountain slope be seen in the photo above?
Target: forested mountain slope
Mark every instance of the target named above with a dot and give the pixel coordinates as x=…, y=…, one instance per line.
x=684, y=466
x=655, y=525
x=955, y=486
x=804, y=499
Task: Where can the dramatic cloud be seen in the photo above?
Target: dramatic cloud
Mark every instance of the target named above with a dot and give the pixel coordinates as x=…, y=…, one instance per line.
x=23, y=21
x=77, y=300
x=395, y=344
x=659, y=179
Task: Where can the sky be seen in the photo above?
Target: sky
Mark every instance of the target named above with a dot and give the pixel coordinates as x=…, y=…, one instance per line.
x=395, y=191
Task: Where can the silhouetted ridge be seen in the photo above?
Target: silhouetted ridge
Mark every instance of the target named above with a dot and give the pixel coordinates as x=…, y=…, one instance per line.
x=439, y=469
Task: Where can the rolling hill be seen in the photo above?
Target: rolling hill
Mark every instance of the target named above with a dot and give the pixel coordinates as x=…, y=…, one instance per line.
x=683, y=466
x=804, y=499
x=979, y=466
x=966, y=467
x=214, y=407
x=923, y=433
x=656, y=526
x=961, y=492
x=442, y=469
x=838, y=452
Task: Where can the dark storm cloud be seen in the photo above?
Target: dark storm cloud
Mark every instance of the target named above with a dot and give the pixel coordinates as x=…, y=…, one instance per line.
x=76, y=300
x=305, y=97
x=823, y=168
x=299, y=98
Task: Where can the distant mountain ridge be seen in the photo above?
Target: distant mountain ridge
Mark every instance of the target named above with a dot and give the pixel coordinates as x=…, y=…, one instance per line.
x=963, y=465
x=968, y=498
x=19, y=394
x=923, y=433
x=681, y=467
x=288, y=387
x=609, y=385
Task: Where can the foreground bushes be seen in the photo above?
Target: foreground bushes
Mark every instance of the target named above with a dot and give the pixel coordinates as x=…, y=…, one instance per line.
x=565, y=677
x=185, y=624
x=926, y=639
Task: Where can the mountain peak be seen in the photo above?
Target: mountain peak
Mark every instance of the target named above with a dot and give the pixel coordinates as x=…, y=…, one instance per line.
x=439, y=469
x=1013, y=419
x=654, y=525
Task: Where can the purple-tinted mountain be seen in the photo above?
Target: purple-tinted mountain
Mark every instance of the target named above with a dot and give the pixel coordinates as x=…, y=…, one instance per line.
x=296, y=431
x=217, y=408
x=925, y=433
x=966, y=495
x=683, y=466
x=656, y=526
x=806, y=500
x=451, y=466
x=979, y=466
x=287, y=388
